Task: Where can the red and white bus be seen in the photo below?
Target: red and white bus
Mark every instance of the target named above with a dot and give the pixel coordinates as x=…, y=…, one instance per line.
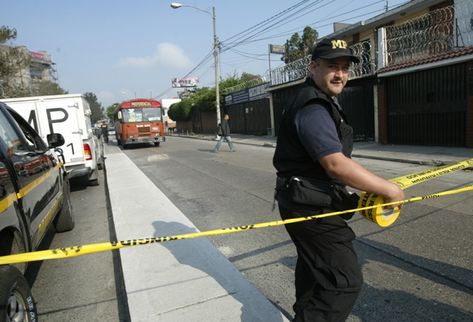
x=139, y=121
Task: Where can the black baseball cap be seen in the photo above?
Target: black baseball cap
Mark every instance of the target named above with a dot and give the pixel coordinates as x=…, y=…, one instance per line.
x=333, y=48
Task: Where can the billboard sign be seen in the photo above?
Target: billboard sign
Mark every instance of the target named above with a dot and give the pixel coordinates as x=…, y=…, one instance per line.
x=185, y=82
x=277, y=49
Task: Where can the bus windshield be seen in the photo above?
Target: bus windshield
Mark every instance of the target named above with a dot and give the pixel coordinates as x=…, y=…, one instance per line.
x=131, y=115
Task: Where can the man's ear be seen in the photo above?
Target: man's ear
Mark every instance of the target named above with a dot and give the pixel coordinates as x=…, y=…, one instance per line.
x=312, y=66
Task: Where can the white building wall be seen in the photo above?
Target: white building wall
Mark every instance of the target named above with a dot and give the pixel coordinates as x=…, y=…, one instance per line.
x=463, y=35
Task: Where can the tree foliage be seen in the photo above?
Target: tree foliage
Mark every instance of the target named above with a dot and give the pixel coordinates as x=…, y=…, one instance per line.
x=298, y=47
x=203, y=99
x=12, y=61
x=247, y=77
x=7, y=33
x=110, y=110
x=45, y=87
x=95, y=107
x=180, y=111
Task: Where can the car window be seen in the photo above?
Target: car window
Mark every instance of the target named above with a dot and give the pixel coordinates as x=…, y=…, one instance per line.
x=33, y=138
x=27, y=140
x=10, y=135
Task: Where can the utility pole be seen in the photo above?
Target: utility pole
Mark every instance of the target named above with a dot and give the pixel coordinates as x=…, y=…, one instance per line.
x=217, y=67
x=216, y=52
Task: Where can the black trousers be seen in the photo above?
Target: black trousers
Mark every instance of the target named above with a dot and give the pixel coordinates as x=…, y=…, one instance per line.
x=328, y=277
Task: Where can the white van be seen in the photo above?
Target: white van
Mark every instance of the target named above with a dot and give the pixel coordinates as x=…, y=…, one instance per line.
x=69, y=115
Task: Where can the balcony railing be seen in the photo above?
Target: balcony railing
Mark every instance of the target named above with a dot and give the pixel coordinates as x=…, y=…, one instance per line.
x=421, y=37
x=290, y=72
x=239, y=87
x=439, y=31
x=298, y=69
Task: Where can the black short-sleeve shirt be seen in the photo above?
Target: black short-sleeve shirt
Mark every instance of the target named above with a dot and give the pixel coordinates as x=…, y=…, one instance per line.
x=317, y=131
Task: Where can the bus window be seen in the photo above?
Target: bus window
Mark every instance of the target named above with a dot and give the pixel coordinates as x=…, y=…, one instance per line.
x=151, y=114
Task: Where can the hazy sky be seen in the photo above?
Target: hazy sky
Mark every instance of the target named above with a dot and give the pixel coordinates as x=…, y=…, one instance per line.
x=121, y=49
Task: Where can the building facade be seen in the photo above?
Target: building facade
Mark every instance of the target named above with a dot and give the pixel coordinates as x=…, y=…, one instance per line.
x=41, y=68
x=414, y=82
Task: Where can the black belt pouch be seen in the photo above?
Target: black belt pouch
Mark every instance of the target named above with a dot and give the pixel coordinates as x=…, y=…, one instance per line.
x=310, y=191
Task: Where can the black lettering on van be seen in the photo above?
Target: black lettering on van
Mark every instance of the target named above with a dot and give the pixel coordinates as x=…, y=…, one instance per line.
x=33, y=121
x=51, y=121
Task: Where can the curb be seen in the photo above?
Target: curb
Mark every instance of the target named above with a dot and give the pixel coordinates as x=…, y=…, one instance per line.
x=410, y=161
x=427, y=162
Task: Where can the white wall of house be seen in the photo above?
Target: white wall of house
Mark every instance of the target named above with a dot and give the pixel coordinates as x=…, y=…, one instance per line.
x=464, y=22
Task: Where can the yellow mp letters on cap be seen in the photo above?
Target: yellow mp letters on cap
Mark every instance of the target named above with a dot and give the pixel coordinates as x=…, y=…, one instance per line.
x=339, y=44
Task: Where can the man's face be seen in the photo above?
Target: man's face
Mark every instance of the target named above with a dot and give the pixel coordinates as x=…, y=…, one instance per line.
x=330, y=75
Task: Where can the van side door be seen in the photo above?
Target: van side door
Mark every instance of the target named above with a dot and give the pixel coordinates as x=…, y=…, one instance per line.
x=61, y=116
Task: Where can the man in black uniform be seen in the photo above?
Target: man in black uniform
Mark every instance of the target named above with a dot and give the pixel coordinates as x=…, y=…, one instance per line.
x=313, y=150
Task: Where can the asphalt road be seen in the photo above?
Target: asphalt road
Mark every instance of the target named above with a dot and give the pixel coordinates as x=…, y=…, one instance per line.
x=82, y=288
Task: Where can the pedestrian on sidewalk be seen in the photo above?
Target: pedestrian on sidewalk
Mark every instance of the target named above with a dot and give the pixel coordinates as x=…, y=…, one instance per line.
x=104, y=129
x=314, y=148
x=224, y=133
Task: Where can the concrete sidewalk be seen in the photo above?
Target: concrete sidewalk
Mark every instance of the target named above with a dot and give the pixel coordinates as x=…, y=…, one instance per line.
x=187, y=280
x=428, y=155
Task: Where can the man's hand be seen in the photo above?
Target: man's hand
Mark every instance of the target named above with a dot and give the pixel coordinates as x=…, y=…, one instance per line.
x=396, y=195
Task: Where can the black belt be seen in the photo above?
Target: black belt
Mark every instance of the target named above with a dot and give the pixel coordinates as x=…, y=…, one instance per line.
x=282, y=183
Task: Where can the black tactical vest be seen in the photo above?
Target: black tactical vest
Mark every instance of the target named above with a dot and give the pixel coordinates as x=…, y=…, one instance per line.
x=291, y=158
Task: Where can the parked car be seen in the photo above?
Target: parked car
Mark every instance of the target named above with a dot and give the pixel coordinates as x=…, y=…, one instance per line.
x=34, y=194
x=112, y=136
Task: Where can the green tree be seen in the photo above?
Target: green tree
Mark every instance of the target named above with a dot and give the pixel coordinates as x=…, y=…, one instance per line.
x=95, y=107
x=246, y=77
x=298, y=47
x=110, y=111
x=45, y=87
x=180, y=111
x=12, y=61
x=203, y=99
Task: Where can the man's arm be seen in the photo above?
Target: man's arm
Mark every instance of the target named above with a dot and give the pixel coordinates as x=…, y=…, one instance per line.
x=354, y=175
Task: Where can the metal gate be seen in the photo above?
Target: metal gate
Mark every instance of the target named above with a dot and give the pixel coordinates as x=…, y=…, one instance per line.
x=428, y=107
x=282, y=98
x=356, y=99
x=251, y=117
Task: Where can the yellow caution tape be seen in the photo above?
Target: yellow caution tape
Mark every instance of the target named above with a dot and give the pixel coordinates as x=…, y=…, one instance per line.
x=74, y=251
x=370, y=206
x=386, y=217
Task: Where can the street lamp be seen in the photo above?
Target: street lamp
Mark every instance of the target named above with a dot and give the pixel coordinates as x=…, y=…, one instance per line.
x=177, y=5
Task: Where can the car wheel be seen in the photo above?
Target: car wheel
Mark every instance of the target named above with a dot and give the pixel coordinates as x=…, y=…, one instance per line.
x=16, y=300
x=156, y=143
x=64, y=220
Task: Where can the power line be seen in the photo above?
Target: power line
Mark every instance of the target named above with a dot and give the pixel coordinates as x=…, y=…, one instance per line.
x=318, y=25
x=242, y=33
x=252, y=28
x=292, y=13
x=274, y=23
